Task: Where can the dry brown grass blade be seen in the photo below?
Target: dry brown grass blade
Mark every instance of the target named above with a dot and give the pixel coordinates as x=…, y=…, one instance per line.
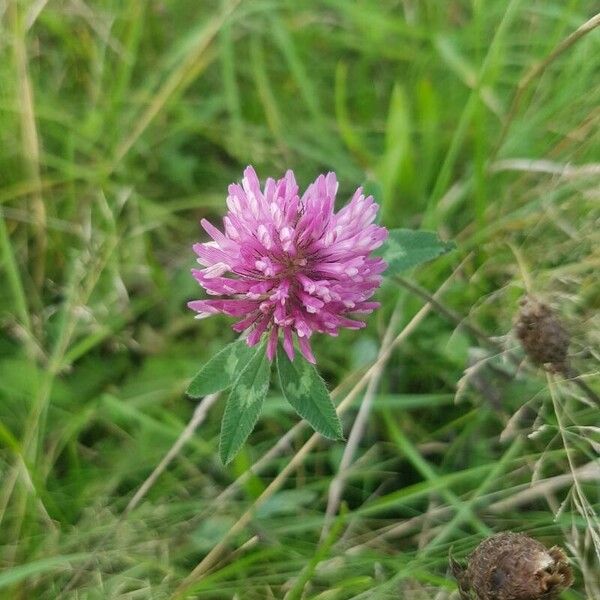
x=548, y=167
x=197, y=418
x=529, y=493
x=336, y=487
x=30, y=141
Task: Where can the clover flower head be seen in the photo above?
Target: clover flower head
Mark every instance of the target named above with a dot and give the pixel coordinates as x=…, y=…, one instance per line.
x=288, y=265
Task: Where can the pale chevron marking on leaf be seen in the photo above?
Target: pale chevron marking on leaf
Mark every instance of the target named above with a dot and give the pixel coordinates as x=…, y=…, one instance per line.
x=304, y=384
x=306, y=392
x=244, y=403
x=221, y=370
x=231, y=363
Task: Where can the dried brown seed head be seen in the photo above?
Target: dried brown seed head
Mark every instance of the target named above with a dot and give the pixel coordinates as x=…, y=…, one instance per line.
x=513, y=566
x=542, y=335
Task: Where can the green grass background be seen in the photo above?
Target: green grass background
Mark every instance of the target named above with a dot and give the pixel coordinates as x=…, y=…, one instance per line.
x=121, y=124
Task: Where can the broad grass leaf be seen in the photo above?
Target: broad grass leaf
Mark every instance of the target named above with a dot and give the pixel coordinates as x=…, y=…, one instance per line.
x=221, y=370
x=35, y=569
x=286, y=502
x=210, y=532
x=244, y=404
x=304, y=389
x=406, y=248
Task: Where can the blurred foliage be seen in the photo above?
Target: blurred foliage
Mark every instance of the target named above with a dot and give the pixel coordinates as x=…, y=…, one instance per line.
x=121, y=124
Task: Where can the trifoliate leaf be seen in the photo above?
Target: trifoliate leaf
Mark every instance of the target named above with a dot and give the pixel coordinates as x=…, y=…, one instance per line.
x=406, y=248
x=221, y=370
x=244, y=404
x=304, y=389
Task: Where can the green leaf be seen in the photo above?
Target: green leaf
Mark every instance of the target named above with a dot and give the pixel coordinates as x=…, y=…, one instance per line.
x=221, y=370
x=406, y=248
x=244, y=405
x=304, y=389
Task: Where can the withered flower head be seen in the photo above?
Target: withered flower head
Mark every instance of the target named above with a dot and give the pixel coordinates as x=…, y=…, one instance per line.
x=513, y=566
x=542, y=335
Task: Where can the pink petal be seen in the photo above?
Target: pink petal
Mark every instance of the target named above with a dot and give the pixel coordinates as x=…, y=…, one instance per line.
x=272, y=343
x=233, y=308
x=304, y=346
x=288, y=343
